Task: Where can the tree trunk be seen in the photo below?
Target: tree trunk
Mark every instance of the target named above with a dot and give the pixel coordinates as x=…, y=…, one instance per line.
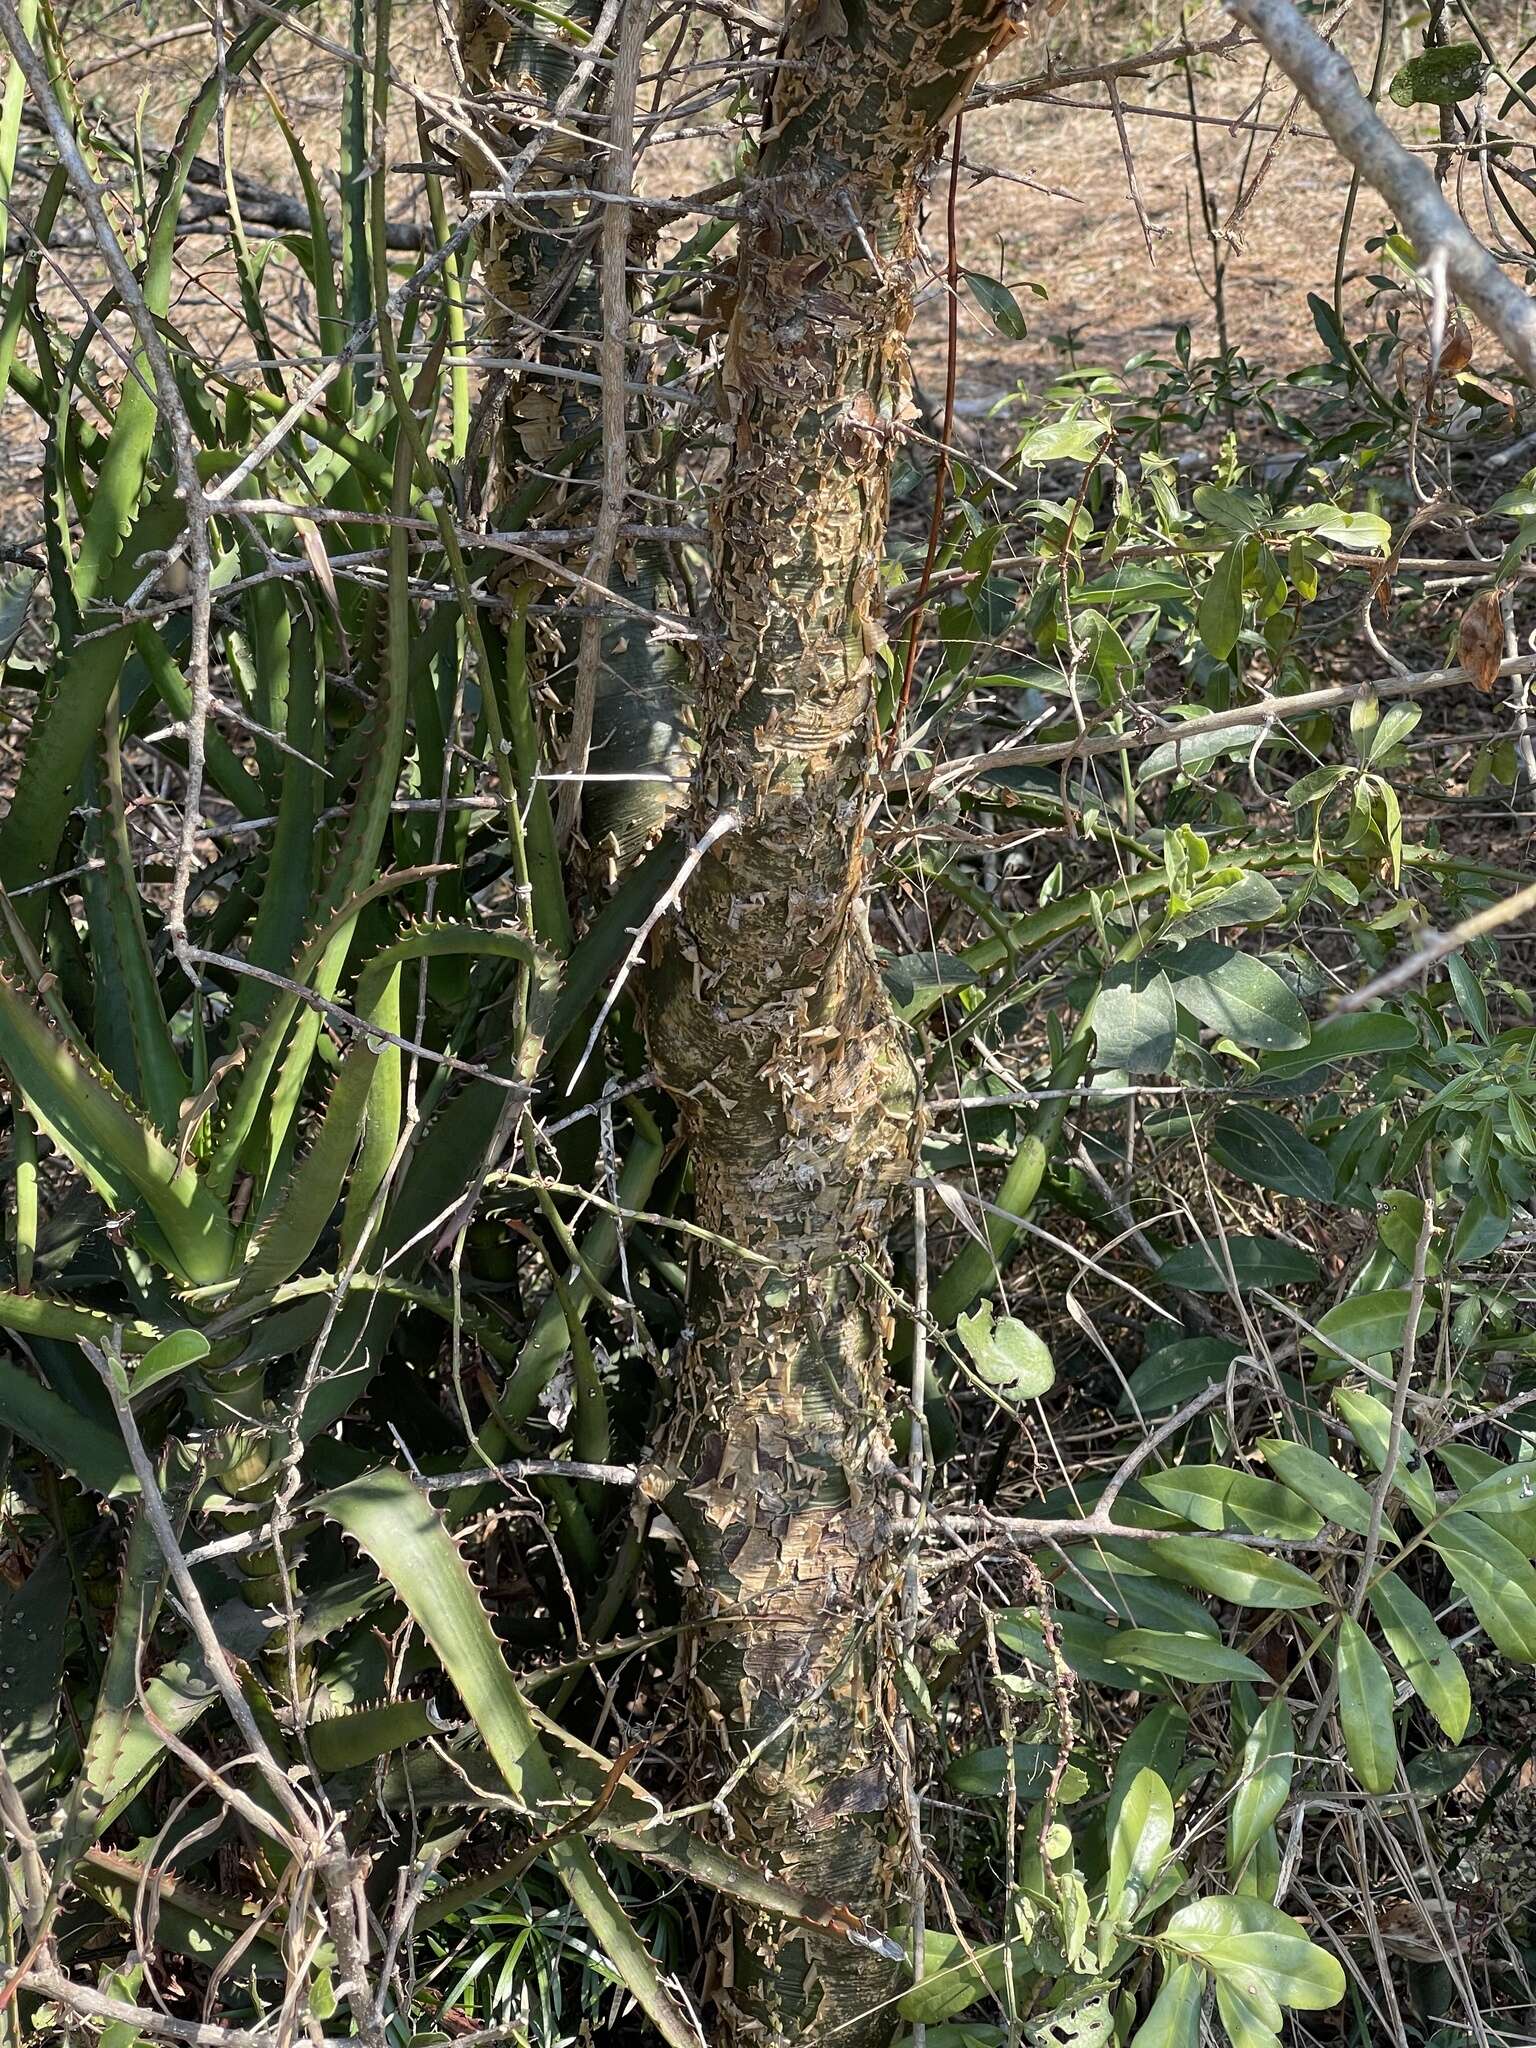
x=767, y=1017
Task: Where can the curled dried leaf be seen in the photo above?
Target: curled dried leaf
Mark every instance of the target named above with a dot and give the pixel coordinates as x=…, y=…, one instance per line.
x=1480, y=639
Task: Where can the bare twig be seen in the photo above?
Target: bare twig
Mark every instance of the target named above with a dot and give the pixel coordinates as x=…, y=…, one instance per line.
x=1267, y=711
x=1439, y=947
x=1327, y=80
x=667, y=901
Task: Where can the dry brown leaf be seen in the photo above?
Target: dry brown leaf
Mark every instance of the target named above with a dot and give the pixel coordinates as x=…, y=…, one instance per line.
x=1456, y=348
x=1480, y=639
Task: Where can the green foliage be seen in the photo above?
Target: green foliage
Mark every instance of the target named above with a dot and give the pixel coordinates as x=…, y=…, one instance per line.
x=1224, y=1279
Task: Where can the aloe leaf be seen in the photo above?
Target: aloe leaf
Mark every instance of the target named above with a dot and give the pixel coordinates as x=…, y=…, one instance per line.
x=394, y=1523
x=304, y=971
x=591, y=964
x=174, y=692
x=41, y=1418
x=321, y=268
x=10, y=117
x=49, y=1315
x=381, y=1121
x=120, y=1745
x=261, y=661
x=293, y=1225
x=148, y=1067
x=124, y=1159
x=549, y=1340
x=120, y=482
x=356, y=274
x=357, y=1736
x=285, y=895
x=24, y=279
x=248, y=269
x=69, y=718
x=32, y=1635
x=189, y=1921
x=172, y=1702
x=24, y=1158
x=70, y=710
x=355, y=866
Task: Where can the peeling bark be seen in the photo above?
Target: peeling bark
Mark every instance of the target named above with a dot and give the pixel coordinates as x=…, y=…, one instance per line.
x=766, y=1014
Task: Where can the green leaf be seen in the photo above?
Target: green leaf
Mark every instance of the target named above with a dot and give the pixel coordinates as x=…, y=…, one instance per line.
x=1066, y=441
x=1337, y=1496
x=1135, y=1021
x=1082, y=1640
x=1399, y=1222
x=1468, y=990
x=1185, y=756
x=1197, y=1659
x=1258, y=1948
x=1501, y=1492
x=1007, y=1354
x=1247, y=1577
x=1255, y=1262
x=1356, y=1035
x=33, y=1626
x=1156, y=1743
x=956, y=1973
x=67, y=1438
x=1263, y=1148
x=1370, y=1423
x=1250, y=2016
x=915, y=981
x=1392, y=729
x=1365, y=531
x=1496, y=1579
x=1217, y=1497
x=1237, y=995
x=173, y=1354
x=1177, y=1372
x=1365, y=1708
x=1368, y=1326
x=1429, y=1663
x=1233, y=511
x=983, y=1773
x=1076, y=2022
x=1250, y=900
x=122, y=1156
x=1220, y=617
x=1138, y=1846
x=1509, y=1491
x=393, y=1522
x=1439, y=78
x=1264, y=1772
x=1174, y=2021
x=999, y=305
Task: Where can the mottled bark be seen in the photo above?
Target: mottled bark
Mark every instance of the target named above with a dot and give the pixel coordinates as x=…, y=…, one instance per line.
x=767, y=1017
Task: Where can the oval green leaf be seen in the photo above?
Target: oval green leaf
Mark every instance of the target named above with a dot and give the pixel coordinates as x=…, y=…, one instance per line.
x=1365, y=1708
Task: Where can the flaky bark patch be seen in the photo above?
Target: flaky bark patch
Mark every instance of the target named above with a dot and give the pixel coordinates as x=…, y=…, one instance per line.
x=767, y=1016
